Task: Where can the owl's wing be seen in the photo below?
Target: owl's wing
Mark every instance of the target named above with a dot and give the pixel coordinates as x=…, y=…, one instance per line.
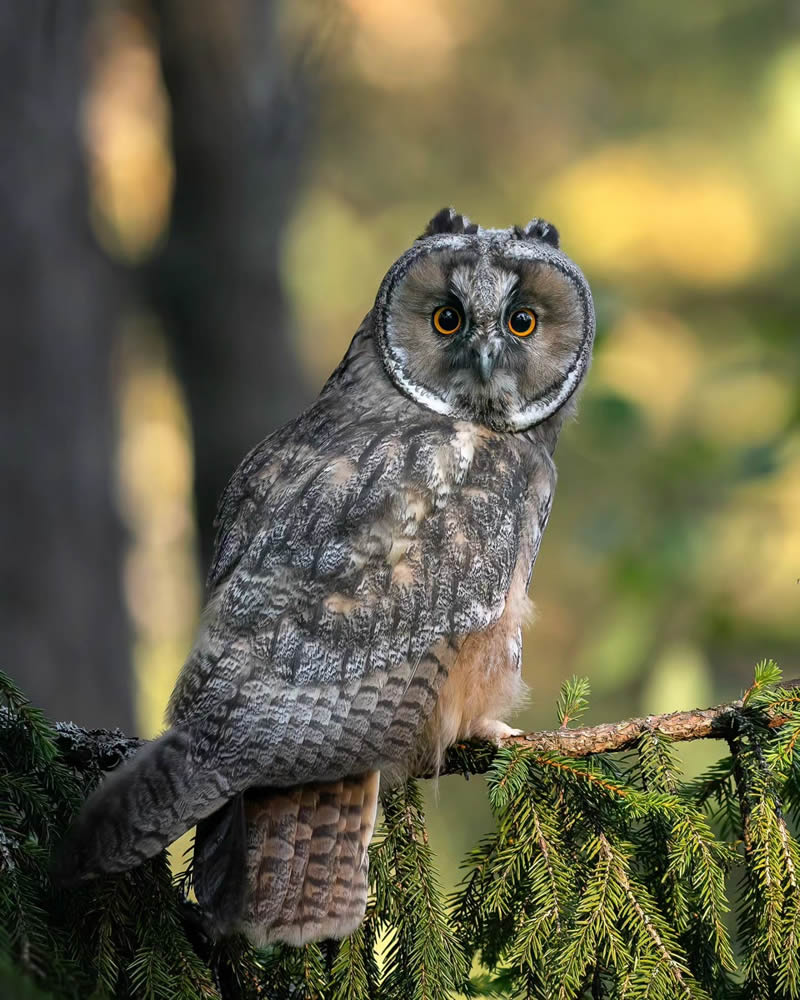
x=341, y=589
x=351, y=562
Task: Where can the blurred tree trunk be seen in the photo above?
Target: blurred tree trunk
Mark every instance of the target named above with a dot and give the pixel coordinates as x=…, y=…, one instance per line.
x=62, y=622
x=237, y=134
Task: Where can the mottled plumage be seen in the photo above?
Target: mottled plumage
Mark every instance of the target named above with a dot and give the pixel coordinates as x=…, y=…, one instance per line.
x=368, y=589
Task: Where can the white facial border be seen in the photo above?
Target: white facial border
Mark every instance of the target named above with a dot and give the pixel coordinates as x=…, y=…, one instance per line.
x=395, y=359
x=545, y=406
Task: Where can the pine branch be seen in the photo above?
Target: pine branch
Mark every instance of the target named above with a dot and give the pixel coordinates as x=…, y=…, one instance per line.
x=84, y=749
x=606, y=874
x=717, y=723
x=105, y=749
x=102, y=748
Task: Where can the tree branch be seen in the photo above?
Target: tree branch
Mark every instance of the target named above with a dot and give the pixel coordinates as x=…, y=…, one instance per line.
x=695, y=724
x=105, y=749
x=100, y=748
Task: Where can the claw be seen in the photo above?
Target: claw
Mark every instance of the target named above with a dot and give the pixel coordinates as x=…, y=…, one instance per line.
x=494, y=731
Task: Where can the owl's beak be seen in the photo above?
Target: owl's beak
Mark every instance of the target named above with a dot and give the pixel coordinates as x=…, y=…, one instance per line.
x=484, y=359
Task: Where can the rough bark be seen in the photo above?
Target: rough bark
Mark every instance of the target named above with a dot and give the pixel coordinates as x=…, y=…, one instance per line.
x=62, y=616
x=237, y=136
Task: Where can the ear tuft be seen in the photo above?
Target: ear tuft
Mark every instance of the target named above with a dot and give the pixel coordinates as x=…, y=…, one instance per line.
x=449, y=221
x=538, y=229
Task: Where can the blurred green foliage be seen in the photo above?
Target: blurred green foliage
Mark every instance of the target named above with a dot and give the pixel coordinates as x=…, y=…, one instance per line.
x=606, y=876
x=664, y=142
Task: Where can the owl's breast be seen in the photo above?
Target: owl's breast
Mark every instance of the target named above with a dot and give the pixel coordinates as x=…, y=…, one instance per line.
x=485, y=681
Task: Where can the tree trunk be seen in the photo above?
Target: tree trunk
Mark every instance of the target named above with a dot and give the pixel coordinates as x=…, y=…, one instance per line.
x=62, y=622
x=237, y=137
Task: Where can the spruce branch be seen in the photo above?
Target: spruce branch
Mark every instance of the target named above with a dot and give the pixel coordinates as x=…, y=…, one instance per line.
x=716, y=723
x=605, y=875
x=105, y=749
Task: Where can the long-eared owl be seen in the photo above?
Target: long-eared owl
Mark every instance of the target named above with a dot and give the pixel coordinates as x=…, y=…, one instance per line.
x=368, y=588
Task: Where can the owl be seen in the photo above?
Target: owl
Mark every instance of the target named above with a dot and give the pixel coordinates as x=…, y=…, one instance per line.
x=368, y=589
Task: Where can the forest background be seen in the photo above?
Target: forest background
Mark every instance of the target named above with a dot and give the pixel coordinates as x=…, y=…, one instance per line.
x=199, y=201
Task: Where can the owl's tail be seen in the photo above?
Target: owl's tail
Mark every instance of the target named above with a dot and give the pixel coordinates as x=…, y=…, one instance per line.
x=304, y=875
x=141, y=807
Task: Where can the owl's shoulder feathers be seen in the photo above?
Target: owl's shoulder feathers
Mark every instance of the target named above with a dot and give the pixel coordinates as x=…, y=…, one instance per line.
x=356, y=550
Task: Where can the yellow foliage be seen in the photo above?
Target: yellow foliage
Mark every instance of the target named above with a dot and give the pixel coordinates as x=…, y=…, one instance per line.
x=641, y=211
x=742, y=406
x=650, y=358
x=408, y=44
x=348, y=265
x=778, y=140
x=756, y=546
x=680, y=678
x=155, y=482
x=126, y=123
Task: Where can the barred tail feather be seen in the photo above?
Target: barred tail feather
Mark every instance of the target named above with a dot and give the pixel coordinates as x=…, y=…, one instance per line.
x=141, y=808
x=279, y=864
x=307, y=860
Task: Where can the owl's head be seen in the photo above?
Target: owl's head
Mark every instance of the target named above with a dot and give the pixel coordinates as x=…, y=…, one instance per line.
x=491, y=325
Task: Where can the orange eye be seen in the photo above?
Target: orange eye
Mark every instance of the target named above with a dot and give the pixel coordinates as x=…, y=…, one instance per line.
x=522, y=322
x=446, y=320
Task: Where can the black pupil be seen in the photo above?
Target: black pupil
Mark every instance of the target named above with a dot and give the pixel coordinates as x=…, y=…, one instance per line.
x=449, y=319
x=521, y=322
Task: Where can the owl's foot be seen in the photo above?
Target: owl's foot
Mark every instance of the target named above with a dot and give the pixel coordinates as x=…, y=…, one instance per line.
x=493, y=730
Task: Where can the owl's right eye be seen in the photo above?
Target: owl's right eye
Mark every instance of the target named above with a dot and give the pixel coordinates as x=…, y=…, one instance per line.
x=446, y=320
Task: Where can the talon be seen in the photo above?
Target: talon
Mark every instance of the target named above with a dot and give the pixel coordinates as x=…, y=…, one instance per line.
x=494, y=731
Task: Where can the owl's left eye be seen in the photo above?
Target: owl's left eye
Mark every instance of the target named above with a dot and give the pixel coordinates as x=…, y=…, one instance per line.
x=522, y=322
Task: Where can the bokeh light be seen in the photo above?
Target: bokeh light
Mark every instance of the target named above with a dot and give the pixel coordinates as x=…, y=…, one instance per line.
x=664, y=142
